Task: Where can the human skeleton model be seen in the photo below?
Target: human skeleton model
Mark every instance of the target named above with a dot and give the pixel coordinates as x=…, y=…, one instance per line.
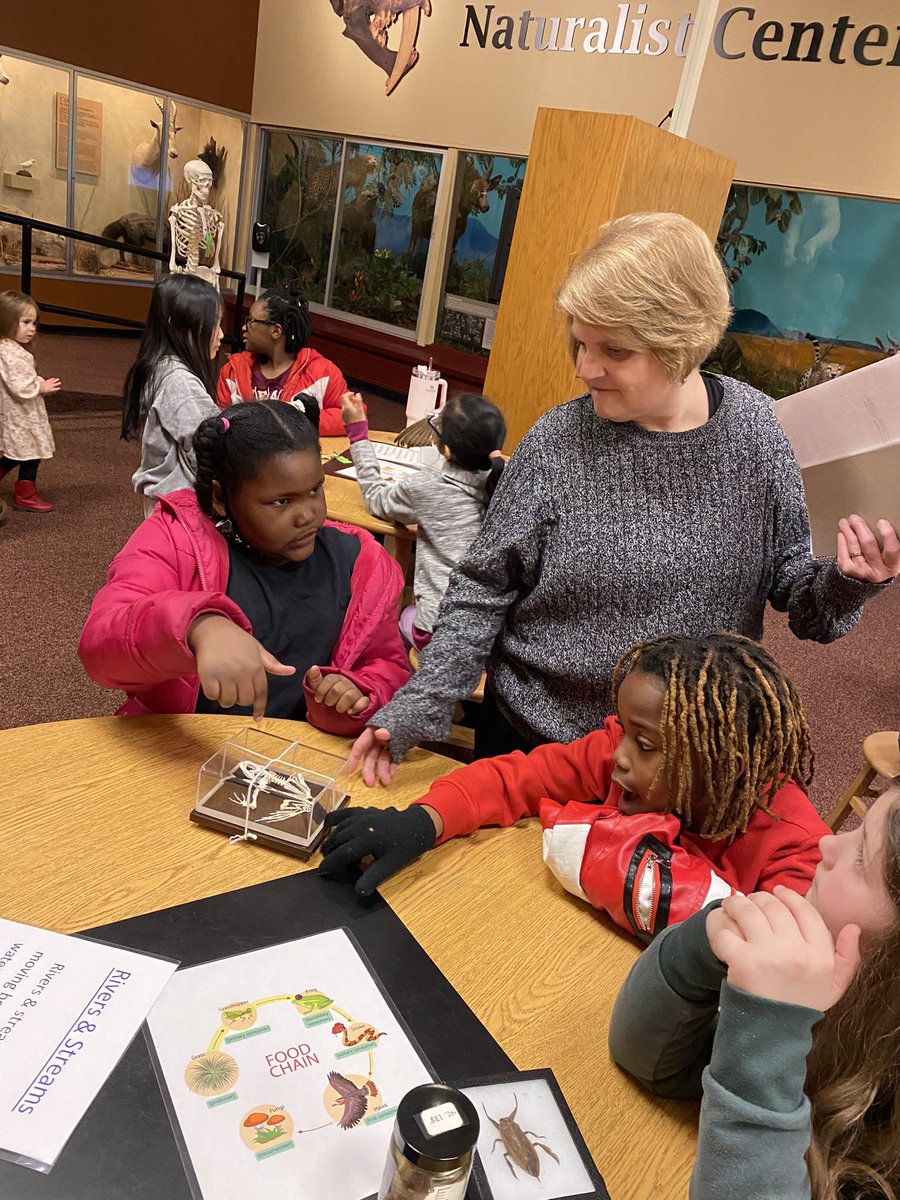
x=196, y=228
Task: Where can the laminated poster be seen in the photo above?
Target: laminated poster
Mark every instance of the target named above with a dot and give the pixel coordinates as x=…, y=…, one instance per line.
x=68, y=1010
x=283, y=1069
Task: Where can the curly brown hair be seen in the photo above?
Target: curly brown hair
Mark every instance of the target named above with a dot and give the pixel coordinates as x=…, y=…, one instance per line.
x=731, y=721
x=853, y=1070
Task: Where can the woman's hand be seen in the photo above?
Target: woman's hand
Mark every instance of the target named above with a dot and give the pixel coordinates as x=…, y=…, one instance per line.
x=858, y=554
x=337, y=692
x=352, y=408
x=391, y=837
x=372, y=749
x=49, y=385
x=778, y=947
x=232, y=664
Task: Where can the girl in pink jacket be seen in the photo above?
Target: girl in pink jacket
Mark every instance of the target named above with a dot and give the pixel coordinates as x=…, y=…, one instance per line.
x=240, y=596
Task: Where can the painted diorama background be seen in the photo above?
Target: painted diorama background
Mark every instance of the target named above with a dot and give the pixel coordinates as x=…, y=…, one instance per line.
x=809, y=263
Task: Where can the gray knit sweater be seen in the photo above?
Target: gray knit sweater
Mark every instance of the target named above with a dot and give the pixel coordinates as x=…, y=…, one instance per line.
x=601, y=535
x=448, y=506
x=177, y=402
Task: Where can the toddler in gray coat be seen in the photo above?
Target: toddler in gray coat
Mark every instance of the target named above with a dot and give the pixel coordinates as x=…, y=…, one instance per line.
x=447, y=504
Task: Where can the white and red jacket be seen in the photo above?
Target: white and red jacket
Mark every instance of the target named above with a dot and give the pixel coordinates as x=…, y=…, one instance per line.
x=311, y=373
x=646, y=870
x=175, y=567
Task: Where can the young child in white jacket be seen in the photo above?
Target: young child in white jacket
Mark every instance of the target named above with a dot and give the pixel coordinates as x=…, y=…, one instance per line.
x=447, y=504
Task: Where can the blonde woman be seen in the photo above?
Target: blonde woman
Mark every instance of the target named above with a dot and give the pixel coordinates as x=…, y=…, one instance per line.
x=663, y=501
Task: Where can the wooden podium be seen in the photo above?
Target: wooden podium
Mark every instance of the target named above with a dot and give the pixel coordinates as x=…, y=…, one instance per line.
x=583, y=169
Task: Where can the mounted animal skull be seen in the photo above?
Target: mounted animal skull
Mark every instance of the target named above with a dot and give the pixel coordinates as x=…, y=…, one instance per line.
x=145, y=158
x=366, y=22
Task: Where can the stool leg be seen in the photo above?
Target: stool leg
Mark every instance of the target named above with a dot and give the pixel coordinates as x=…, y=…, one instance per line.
x=838, y=814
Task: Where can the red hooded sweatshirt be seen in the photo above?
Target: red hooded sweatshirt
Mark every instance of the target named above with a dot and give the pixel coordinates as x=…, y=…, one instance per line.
x=175, y=567
x=310, y=373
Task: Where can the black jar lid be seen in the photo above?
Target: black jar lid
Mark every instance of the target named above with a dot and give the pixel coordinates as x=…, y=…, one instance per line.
x=436, y=1127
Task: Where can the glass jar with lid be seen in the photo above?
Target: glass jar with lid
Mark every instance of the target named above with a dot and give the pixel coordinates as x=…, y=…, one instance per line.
x=432, y=1145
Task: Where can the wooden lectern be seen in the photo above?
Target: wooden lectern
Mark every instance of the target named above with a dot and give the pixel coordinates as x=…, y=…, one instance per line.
x=583, y=169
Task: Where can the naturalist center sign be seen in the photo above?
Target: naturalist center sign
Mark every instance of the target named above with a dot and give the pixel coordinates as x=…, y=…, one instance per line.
x=631, y=29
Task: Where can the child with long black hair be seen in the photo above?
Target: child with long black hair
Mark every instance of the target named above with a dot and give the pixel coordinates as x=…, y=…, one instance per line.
x=279, y=364
x=170, y=387
x=239, y=595
x=695, y=789
x=447, y=505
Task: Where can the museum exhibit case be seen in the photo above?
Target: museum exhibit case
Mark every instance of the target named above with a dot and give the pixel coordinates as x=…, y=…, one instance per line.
x=352, y=221
x=129, y=146
x=804, y=266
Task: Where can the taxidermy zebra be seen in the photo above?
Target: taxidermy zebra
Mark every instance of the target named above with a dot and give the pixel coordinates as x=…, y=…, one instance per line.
x=820, y=371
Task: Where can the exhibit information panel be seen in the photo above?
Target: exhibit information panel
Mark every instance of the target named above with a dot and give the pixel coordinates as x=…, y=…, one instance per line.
x=283, y=1069
x=68, y=1010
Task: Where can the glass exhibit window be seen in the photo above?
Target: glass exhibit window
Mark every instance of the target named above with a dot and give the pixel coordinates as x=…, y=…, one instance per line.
x=385, y=223
x=32, y=181
x=218, y=140
x=118, y=159
x=299, y=196
x=808, y=265
x=489, y=188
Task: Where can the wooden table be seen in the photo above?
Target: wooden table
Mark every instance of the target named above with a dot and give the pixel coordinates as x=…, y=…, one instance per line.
x=345, y=503
x=96, y=830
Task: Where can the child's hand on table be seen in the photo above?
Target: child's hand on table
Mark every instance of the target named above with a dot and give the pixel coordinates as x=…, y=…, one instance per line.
x=372, y=749
x=776, y=946
x=232, y=664
x=337, y=692
x=49, y=385
x=352, y=408
x=389, y=836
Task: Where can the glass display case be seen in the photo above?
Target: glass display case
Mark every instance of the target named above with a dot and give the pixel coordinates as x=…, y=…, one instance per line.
x=806, y=267
x=351, y=220
x=130, y=146
x=31, y=182
x=488, y=191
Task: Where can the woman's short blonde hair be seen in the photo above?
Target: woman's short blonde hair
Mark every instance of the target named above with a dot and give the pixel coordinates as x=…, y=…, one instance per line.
x=13, y=306
x=656, y=278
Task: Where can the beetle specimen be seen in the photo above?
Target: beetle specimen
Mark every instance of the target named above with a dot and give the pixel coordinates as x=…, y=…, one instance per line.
x=517, y=1148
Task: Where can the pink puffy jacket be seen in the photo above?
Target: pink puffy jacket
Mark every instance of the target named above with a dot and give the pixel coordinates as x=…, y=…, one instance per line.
x=175, y=567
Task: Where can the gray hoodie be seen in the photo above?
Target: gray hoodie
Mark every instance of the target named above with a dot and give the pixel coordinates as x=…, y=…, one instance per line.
x=178, y=402
x=447, y=504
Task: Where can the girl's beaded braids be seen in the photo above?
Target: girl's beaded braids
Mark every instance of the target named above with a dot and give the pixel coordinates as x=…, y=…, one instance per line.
x=731, y=722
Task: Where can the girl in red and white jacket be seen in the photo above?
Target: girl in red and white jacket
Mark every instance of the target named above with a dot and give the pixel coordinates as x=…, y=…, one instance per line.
x=241, y=596
x=278, y=364
x=694, y=791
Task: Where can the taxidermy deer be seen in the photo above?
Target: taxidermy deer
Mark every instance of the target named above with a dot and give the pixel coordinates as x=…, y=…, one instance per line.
x=474, y=198
x=145, y=156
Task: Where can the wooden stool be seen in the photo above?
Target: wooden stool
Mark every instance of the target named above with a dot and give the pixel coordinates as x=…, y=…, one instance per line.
x=459, y=735
x=882, y=758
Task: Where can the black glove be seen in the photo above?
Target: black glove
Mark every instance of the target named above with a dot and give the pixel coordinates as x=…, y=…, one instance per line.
x=393, y=837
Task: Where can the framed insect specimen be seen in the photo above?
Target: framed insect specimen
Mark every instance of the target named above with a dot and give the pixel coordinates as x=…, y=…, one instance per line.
x=529, y=1147
x=266, y=789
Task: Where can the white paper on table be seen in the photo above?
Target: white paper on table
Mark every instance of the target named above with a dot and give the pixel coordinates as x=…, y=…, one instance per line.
x=392, y=472
x=254, y=1038
x=69, y=1009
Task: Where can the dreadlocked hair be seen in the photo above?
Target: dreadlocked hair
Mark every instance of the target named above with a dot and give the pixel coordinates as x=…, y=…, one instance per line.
x=288, y=307
x=232, y=446
x=730, y=716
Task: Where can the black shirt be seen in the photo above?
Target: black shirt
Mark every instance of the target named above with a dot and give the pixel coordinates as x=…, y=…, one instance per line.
x=715, y=391
x=296, y=611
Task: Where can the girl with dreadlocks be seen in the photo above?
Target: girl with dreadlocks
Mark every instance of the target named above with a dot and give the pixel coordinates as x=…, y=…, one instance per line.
x=239, y=595
x=784, y=1014
x=693, y=791
x=278, y=363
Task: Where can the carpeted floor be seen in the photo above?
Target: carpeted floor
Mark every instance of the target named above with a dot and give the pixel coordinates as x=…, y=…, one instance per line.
x=52, y=565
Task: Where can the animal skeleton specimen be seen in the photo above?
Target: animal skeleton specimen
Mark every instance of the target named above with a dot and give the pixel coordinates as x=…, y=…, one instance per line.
x=298, y=798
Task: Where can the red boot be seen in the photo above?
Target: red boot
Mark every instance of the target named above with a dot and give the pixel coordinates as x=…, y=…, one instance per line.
x=26, y=499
